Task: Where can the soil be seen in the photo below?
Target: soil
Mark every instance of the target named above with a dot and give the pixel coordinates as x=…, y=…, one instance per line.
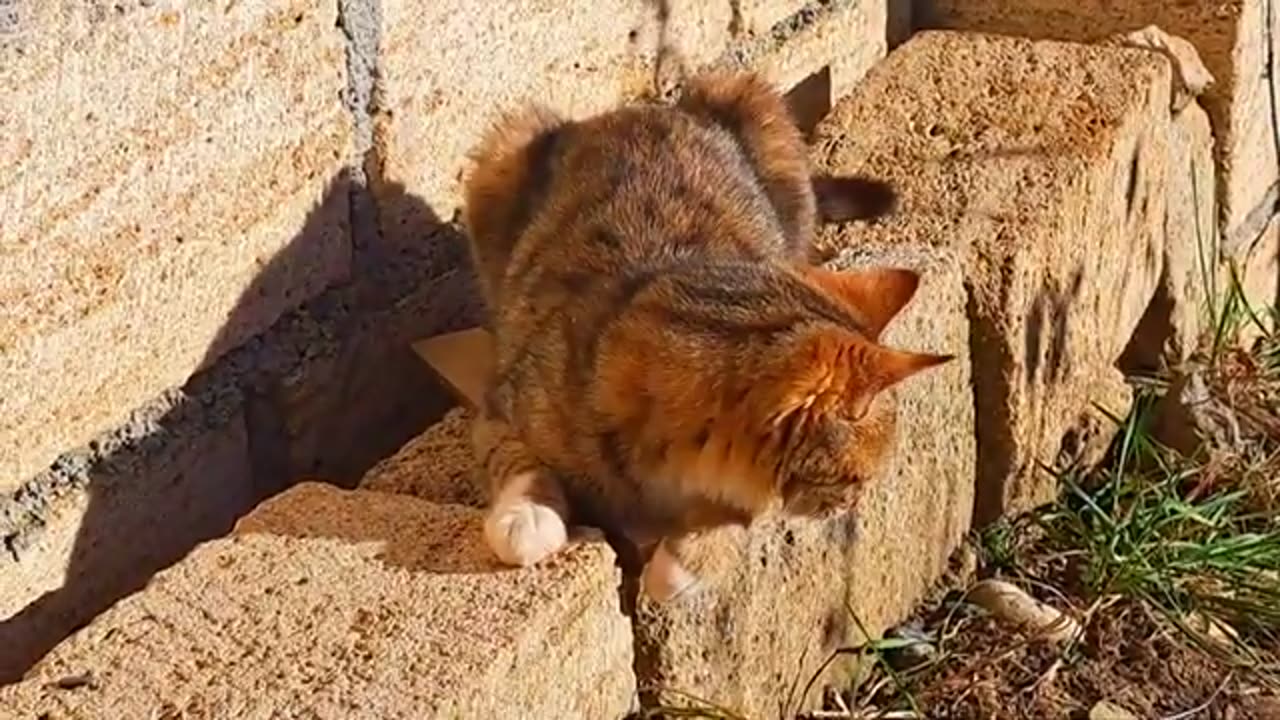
x=1125, y=659
x=1128, y=657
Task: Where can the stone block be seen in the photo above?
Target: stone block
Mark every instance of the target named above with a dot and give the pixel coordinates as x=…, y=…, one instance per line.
x=171, y=184
x=1258, y=272
x=329, y=390
x=1192, y=280
x=844, y=38
x=338, y=379
x=1233, y=39
x=780, y=596
x=1044, y=165
x=1193, y=272
x=89, y=531
x=447, y=68
x=334, y=604
x=437, y=465
x=758, y=17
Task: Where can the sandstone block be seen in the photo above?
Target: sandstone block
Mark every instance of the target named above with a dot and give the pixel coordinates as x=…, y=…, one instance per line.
x=349, y=390
x=1193, y=280
x=1044, y=164
x=171, y=184
x=335, y=604
x=88, y=532
x=1232, y=38
x=447, y=68
x=844, y=38
x=783, y=594
x=757, y=17
x=1258, y=273
x=1193, y=272
x=330, y=389
x=437, y=465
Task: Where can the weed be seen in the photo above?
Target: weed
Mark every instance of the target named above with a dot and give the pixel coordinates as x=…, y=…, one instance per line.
x=1133, y=530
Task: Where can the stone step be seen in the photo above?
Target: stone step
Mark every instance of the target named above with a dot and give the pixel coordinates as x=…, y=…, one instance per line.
x=1043, y=166
x=325, y=603
x=1235, y=40
x=329, y=390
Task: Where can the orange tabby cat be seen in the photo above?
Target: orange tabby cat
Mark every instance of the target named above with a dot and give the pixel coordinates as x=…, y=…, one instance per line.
x=667, y=360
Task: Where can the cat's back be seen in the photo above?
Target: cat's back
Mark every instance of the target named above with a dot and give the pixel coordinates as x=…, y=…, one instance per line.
x=648, y=184
x=632, y=196
x=629, y=195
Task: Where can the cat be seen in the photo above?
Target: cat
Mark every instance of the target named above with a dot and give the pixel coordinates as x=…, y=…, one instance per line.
x=668, y=357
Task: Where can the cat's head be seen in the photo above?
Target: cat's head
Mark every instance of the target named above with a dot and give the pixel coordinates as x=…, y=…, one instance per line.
x=833, y=412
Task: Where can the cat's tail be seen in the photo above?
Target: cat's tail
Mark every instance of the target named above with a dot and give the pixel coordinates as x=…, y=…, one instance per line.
x=841, y=199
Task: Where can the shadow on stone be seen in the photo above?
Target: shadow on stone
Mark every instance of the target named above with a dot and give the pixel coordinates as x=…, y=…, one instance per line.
x=327, y=391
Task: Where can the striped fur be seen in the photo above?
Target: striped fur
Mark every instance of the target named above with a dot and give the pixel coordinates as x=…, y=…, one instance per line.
x=666, y=358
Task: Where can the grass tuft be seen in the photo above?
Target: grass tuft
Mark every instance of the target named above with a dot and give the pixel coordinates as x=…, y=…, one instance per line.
x=1150, y=528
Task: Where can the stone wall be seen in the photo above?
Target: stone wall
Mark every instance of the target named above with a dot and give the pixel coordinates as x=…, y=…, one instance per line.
x=1238, y=43
x=221, y=226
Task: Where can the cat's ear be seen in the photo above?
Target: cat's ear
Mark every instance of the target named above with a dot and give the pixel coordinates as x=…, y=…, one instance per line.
x=876, y=294
x=882, y=367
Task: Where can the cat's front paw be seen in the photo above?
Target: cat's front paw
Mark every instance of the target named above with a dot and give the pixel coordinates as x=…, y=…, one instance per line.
x=521, y=531
x=665, y=579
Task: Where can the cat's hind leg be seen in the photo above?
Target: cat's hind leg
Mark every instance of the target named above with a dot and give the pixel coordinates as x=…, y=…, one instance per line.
x=666, y=576
x=527, y=516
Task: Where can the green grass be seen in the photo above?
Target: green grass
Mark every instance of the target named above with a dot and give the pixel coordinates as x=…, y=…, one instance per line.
x=1194, y=539
x=1188, y=536
x=1135, y=531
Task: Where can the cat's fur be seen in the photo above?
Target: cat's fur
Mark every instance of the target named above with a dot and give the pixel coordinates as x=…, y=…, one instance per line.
x=667, y=360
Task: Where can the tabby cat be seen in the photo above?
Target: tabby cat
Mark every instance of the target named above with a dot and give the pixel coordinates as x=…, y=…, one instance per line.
x=667, y=357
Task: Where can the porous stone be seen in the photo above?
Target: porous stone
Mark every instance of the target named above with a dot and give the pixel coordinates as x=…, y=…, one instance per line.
x=1044, y=165
x=1258, y=272
x=1236, y=41
x=757, y=17
x=338, y=380
x=448, y=68
x=329, y=390
x=1193, y=278
x=90, y=531
x=171, y=184
x=781, y=595
x=1193, y=268
x=843, y=38
x=348, y=604
x=436, y=465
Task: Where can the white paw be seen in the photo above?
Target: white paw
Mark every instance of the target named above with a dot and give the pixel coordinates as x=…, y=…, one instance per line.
x=665, y=579
x=522, y=532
